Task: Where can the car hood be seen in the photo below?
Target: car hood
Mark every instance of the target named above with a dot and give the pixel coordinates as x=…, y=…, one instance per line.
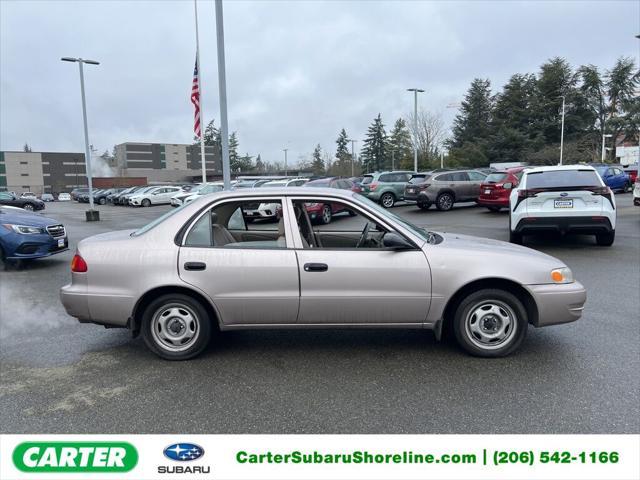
x=27, y=219
x=464, y=258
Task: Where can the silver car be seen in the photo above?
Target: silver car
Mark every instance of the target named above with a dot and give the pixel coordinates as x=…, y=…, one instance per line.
x=202, y=267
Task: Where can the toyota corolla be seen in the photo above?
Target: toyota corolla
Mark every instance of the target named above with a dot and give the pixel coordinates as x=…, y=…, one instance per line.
x=203, y=267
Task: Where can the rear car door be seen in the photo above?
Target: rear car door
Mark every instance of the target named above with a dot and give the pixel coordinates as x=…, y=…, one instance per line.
x=461, y=186
x=475, y=180
x=250, y=279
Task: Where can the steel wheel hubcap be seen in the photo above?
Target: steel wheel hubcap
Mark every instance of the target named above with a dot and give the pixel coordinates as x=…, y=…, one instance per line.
x=175, y=327
x=490, y=324
x=387, y=200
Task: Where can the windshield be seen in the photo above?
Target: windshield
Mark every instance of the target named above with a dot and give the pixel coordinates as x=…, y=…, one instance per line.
x=157, y=221
x=419, y=179
x=425, y=235
x=496, y=177
x=367, y=180
x=563, y=179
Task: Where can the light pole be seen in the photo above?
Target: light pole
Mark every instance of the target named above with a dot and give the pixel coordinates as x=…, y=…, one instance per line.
x=415, y=125
x=222, y=88
x=604, y=136
x=353, y=157
x=562, y=130
x=286, y=173
x=91, y=214
x=393, y=159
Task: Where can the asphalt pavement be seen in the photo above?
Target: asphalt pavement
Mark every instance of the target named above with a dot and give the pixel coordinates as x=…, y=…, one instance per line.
x=58, y=376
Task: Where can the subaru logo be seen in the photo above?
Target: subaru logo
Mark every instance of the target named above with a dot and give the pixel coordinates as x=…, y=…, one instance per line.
x=183, y=452
x=564, y=194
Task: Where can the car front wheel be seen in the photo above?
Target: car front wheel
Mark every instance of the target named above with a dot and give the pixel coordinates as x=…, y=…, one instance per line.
x=102, y=201
x=387, y=200
x=176, y=327
x=490, y=323
x=29, y=207
x=146, y=202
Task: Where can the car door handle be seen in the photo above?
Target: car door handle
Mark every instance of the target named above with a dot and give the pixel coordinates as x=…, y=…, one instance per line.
x=195, y=266
x=316, y=267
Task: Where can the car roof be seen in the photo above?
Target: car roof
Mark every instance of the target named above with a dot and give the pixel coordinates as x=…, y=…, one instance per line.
x=552, y=168
x=278, y=191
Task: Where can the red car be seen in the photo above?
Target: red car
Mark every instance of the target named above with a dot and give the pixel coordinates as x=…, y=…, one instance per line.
x=632, y=171
x=322, y=213
x=496, y=188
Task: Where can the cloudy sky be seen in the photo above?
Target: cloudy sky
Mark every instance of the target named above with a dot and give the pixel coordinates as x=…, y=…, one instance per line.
x=297, y=71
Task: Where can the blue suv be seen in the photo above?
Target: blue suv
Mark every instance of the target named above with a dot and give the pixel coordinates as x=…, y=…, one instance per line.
x=25, y=236
x=614, y=177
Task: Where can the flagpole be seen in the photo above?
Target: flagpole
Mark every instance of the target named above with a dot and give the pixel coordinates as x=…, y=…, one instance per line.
x=222, y=87
x=202, y=124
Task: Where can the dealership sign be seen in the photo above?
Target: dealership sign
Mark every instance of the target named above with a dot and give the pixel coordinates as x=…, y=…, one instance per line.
x=69, y=457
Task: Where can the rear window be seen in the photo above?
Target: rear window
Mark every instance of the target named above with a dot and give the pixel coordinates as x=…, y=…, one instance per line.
x=367, y=180
x=563, y=179
x=419, y=179
x=495, y=177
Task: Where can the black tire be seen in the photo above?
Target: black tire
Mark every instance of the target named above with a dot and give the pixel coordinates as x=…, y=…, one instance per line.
x=606, y=239
x=467, y=321
x=494, y=209
x=29, y=207
x=325, y=215
x=146, y=202
x=444, y=202
x=351, y=213
x=102, y=201
x=515, y=237
x=387, y=200
x=424, y=205
x=191, y=306
x=627, y=187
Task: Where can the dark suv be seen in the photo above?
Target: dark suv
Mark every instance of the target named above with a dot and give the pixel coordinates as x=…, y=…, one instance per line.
x=444, y=189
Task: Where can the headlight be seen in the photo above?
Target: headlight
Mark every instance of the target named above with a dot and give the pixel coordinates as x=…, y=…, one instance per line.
x=23, y=229
x=562, y=275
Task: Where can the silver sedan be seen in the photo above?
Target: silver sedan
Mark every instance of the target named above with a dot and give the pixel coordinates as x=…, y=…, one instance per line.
x=208, y=266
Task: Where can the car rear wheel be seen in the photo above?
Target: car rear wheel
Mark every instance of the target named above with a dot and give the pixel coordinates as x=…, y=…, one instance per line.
x=515, y=237
x=494, y=209
x=176, y=327
x=387, y=200
x=325, y=218
x=102, y=201
x=29, y=207
x=146, y=202
x=444, y=202
x=490, y=323
x=606, y=239
x=627, y=187
x=424, y=205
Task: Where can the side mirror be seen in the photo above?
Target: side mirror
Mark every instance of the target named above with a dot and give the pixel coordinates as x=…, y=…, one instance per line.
x=393, y=241
x=508, y=185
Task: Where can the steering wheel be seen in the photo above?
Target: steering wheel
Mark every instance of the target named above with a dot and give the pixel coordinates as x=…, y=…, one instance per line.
x=363, y=237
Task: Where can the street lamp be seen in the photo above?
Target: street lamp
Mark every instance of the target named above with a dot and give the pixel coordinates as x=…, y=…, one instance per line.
x=415, y=125
x=562, y=129
x=353, y=157
x=604, y=136
x=286, y=173
x=91, y=214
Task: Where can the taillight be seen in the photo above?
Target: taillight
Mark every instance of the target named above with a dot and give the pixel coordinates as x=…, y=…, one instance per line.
x=78, y=265
x=522, y=194
x=424, y=186
x=605, y=191
x=373, y=186
x=498, y=186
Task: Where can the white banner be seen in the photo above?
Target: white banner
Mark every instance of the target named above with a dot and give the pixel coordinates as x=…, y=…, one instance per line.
x=147, y=457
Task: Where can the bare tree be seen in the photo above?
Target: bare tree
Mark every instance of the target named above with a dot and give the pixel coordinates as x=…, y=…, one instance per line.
x=429, y=136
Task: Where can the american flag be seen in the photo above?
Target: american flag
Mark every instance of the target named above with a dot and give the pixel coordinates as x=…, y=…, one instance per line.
x=195, y=99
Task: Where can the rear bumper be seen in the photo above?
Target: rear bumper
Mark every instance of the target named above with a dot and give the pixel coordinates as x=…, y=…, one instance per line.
x=493, y=202
x=587, y=225
x=558, y=303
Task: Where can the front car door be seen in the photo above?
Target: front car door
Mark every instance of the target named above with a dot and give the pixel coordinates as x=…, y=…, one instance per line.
x=251, y=276
x=348, y=278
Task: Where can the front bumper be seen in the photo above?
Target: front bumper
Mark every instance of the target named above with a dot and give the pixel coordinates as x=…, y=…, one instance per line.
x=25, y=247
x=558, y=303
x=577, y=224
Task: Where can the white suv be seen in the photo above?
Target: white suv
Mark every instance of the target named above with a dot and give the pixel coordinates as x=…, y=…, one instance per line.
x=563, y=199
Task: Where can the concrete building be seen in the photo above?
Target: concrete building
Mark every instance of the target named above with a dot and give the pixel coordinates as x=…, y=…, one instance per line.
x=165, y=162
x=40, y=172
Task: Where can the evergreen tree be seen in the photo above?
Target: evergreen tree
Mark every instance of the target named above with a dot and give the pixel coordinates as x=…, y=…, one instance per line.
x=317, y=164
x=260, y=167
x=473, y=123
x=26, y=147
x=211, y=135
x=342, y=164
x=375, y=148
x=622, y=82
x=234, y=162
x=400, y=145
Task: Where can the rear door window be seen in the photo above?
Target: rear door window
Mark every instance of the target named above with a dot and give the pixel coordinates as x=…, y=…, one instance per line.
x=387, y=177
x=460, y=177
x=445, y=177
x=563, y=179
